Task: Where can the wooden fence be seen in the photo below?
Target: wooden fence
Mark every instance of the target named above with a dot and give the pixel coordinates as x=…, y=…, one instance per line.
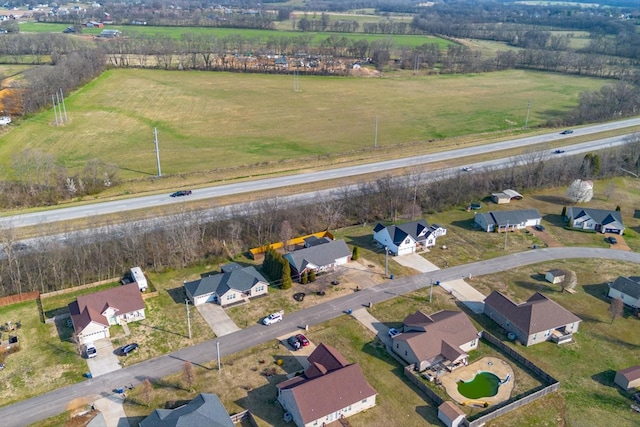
x=244, y=416
x=14, y=299
x=77, y=288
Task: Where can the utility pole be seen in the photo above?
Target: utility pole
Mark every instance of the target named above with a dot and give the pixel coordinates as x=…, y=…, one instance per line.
x=186, y=302
x=155, y=138
x=386, y=262
x=64, y=106
x=526, y=122
x=430, y=289
x=375, y=137
x=55, y=113
x=506, y=231
x=218, y=351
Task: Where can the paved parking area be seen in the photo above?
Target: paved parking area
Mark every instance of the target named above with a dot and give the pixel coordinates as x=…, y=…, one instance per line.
x=112, y=411
x=217, y=319
x=106, y=361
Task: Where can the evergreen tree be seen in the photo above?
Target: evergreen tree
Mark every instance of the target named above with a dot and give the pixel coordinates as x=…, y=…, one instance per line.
x=312, y=275
x=286, y=276
x=304, y=278
x=355, y=254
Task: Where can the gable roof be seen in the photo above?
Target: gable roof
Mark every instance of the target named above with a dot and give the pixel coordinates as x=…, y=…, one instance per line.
x=537, y=314
x=89, y=308
x=504, y=218
x=233, y=276
x=513, y=194
x=399, y=232
x=320, y=255
x=626, y=286
x=631, y=373
x=441, y=333
x=331, y=390
x=451, y=410
x=600, y=216
x=204, y=410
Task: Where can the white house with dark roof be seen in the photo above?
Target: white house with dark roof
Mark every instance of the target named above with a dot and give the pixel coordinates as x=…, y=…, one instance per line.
x=205, y=409
x=402, y=239
x=93, y=314
x=235, y=284
x=627, y=289
x=319, y=257
x=600, y=220
x=507, y=220
x=537, y=320
x=331, y=388
x=443, y=338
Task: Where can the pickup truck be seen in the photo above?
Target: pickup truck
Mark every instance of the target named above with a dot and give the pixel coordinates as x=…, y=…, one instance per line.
x=273, y=318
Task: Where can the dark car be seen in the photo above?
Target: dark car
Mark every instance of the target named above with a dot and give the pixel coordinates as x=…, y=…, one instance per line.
x=294, y=343
x=539, y=227
x=566, y=132
x=69, y=30
x=612, y=240
x=127, y=349
x=303, y=340
x=181, y=193
x=559, y=151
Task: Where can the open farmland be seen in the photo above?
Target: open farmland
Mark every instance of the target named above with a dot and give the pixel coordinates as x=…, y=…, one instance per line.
x=217, y=120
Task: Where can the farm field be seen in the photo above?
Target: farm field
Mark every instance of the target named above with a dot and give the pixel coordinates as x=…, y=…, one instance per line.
x=208, y=121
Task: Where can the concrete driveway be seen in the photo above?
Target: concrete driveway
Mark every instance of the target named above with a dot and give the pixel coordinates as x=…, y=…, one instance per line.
x=417, y=262
x=106, y=361
x=217, y=319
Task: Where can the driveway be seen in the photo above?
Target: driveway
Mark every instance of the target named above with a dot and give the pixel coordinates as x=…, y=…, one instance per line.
x=363, y=316
x=112, y=411
x=106, y=361
x=217, y=319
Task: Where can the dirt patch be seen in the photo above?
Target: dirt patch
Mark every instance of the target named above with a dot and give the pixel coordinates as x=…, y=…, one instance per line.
x=621, y=245
x=546, y=238
x=365, y=72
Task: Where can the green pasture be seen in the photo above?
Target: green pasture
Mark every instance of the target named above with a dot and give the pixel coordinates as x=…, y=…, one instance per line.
x=215, y=120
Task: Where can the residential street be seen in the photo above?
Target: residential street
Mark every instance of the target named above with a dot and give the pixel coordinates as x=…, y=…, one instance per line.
x=55, y=402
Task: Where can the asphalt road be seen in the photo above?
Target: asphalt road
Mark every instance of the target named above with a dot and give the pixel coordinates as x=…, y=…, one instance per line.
x=143, y=202
x=47, y=405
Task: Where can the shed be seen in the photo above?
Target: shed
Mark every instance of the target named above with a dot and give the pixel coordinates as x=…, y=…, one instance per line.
x=450, y=414
x=554, y=276
x=628, y=379
x=500, y=198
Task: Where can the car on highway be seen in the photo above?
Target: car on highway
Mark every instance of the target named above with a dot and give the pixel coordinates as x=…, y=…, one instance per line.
x=294, y=343
x=303, y=340
x=181, y=193
x=559, y=151
x=393, y=332
x=128, y=349
x=612, y=240
x=566, y=132
x=466, y=169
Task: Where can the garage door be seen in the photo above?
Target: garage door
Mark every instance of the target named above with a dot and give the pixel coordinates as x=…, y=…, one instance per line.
x=94, y=336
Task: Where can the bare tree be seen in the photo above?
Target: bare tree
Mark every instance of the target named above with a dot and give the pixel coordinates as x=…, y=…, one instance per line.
x=616, y=309
x=570, y=281
x=286, y=234
x=189, y=377
x=147, y=389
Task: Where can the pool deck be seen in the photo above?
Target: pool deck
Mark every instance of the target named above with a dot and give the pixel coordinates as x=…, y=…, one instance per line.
x=494, y=365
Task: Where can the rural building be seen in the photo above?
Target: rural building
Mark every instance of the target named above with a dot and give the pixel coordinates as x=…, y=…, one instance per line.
x=537, y=320
x=406, y=238
x=505, y=196
x=319, y=258
x=330, y=389
x=600, y=220
x=233, y=285
x=507, y=220
x=554, y=276
x=109, y=34
x=204, y=410
x=627, y=289
x=93, y=314
x=450, y=414
x=628, y=379
x=443, y=338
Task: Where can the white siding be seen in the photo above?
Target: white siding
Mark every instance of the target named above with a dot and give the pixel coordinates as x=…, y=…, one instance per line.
x=628, y=300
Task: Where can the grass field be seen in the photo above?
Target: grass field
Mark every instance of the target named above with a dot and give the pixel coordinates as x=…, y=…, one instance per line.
x=208, y=121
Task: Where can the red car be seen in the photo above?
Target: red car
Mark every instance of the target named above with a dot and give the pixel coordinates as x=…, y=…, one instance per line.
x=303, y=340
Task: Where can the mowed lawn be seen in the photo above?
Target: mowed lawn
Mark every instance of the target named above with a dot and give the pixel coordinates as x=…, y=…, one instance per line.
x=207, y=121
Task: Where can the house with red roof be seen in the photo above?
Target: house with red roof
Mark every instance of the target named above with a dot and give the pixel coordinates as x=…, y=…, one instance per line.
x=93, y=314
x=330, y=389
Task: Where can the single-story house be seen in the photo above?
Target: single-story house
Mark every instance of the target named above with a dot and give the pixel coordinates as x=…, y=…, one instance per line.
x=600, y=220
x=505, y=196
x=93, y=314
x=319, y=258
x=628, y=379
x=204, y=410
x=331, y=388
x=406, y=238
x=554, y=276
x=450, y=414
x=233, y=285
x=627, y=289
x=507, y=220
x=537, y=320
x=443, y=338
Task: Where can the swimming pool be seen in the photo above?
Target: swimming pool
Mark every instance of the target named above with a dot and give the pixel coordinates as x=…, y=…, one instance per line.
x=484, y=384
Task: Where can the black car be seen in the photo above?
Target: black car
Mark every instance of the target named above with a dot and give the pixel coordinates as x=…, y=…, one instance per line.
x=293, y=342
x=539, y=227
x=181, y=193
x=127, y=349
x=612, y=240
x=559, y=151
x=566, y=132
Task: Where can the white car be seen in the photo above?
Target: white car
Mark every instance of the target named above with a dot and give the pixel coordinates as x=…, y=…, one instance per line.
x=466, y=169
x=272, y=318
x=90, y=350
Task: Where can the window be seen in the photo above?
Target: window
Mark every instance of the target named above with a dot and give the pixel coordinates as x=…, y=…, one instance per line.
x=397, y=345
x=405, y=353
x=364, y=401
x=231, y=296
x=474, y=342
x=260, y=288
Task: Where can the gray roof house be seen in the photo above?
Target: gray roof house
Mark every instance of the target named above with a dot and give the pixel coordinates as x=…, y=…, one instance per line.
x=402, y=239
x=319, y=258
x=204, y=410
x=627, y=289
x=235, y=284
x=537, y=320
x=507, y=220
x=600, y=220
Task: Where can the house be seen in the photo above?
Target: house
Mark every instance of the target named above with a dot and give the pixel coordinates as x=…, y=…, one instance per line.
x=537, y=320
x=330, y=389
x=94, y=24
x=93, y=314
x=554, y=276
x=600, y=220
x=204, y=410
x=109, y=34
x=627, y=289
x=505, y=196
x=450, y=414
x=507, y=220
x=443, y=338
x=233, y=285
x=319, y=258
x=406, y=238
x=628, y=379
